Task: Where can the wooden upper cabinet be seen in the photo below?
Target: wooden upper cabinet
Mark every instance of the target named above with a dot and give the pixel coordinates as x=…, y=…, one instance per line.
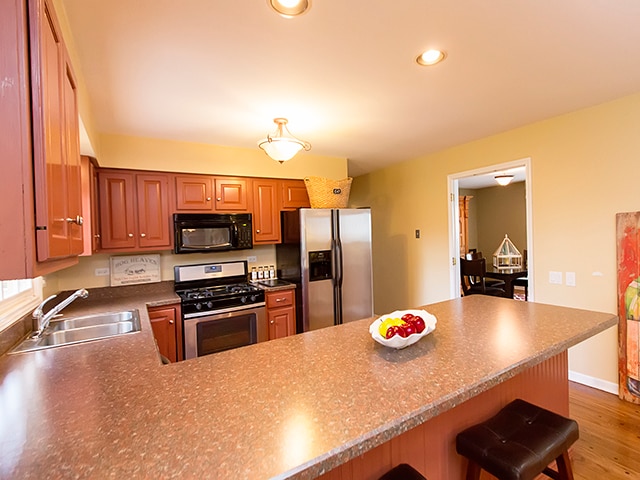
x=194, y=192
x=134, y=210
x=117, y=210
x=294, y=194
x=154, y=229
x=206, y=193
x=232, y=194
x=266, y=211
x=56, y=151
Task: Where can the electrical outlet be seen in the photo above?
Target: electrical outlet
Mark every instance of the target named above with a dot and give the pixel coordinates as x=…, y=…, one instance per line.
x=252, y=259
x=102, y=272
x=570, y=278
x=417, y=233
x=555, y=278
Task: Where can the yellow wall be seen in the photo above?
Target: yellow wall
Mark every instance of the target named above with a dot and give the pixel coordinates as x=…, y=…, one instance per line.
x=501, y=211
x=121, y=151
x=584, y=170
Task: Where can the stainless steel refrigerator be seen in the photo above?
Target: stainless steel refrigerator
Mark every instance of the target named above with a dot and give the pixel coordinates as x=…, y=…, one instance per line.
x=327, y=254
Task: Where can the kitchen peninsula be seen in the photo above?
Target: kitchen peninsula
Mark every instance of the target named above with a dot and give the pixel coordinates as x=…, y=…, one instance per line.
x=329, y=403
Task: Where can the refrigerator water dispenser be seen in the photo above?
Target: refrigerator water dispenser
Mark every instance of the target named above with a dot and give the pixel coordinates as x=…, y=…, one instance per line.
x=319, y=265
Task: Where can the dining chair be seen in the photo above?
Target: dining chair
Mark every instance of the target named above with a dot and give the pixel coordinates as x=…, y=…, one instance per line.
x=472, y=277
x=489, y=282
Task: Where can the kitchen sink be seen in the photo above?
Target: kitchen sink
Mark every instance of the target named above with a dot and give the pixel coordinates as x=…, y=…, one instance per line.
x=74, y=330
x=99, y=319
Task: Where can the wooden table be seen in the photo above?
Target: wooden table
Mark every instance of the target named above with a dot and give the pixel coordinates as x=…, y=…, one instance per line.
x=508, y=275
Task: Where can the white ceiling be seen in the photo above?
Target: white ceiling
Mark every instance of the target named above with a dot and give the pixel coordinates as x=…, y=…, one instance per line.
x=344, y=73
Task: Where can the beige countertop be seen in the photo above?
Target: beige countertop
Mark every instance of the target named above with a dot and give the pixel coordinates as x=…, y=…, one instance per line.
x=290, y=408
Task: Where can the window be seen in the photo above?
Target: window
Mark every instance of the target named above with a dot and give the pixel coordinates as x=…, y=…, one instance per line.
x=17, y=298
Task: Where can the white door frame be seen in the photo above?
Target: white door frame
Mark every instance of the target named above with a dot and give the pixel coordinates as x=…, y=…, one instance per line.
x=454, y=220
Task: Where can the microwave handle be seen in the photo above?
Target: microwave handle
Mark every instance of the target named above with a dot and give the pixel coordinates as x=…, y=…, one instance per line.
x=235, y=234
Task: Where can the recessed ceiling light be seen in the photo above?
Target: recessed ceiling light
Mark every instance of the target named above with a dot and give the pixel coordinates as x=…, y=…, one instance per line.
x=430, y=57
x=290, y=8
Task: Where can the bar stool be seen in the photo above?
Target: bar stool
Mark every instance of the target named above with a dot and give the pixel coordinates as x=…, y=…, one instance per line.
x=402, y=472
x=519, y=443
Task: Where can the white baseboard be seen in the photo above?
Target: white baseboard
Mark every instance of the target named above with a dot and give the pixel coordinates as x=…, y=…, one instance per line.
x=594, y=382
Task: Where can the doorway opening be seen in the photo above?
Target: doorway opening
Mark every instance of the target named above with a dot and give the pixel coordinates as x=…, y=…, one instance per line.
x=458, y=235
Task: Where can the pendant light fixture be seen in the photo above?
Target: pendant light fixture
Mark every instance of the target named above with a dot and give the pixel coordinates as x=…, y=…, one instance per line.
x=281, y=145
x=290, y=8
x=503, y=179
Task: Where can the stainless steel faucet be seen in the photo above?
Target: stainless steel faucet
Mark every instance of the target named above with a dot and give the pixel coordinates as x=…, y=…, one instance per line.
x=41, y=320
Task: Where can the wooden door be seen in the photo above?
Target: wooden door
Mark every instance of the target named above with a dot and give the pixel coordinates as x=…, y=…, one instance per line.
x=152, y=192
x=117, y=210
x=232, y=194
x=194, y=193
x=266, y=214
x=294, y=194
x=164, y=323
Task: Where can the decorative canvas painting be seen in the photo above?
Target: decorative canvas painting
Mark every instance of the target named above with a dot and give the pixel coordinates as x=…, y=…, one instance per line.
x=628, y=239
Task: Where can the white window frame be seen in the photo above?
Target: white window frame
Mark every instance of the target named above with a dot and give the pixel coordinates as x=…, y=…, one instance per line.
x=14, y=308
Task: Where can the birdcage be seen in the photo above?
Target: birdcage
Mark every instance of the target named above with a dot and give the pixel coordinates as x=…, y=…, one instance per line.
x=507, y=255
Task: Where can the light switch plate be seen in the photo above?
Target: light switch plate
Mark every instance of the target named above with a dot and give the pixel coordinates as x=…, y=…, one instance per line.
x=252, y=259
x=102, y=272
x=570, y=278
x=555, y=278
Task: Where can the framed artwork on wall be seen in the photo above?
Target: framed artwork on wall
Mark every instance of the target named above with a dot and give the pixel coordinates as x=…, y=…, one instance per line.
x=628, y=259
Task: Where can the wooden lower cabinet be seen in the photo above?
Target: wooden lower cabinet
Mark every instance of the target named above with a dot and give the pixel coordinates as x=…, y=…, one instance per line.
x=167, y=330
x=281, y=313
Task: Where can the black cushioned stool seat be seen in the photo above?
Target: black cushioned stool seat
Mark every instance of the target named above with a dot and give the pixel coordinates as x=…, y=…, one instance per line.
x=402, y=472
x=518, y=443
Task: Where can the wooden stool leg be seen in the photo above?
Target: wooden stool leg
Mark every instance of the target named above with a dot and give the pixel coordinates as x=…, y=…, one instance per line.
x=473, y=471
x=564, y=466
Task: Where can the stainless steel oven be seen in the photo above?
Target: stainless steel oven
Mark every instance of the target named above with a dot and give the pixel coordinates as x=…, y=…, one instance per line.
x=220, y=309
x=223, y=330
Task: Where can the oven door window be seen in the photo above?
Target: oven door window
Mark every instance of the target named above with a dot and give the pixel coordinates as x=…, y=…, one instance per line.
x=203, y=238
x=226, y=333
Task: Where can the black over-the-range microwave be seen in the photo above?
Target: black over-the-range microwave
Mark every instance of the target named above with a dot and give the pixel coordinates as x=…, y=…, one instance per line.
x=214, y=232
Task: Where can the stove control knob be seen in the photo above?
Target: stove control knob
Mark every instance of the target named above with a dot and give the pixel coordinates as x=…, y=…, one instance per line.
x=209, y=304
x=198, y=306
x=254, y=298
x=244, y=299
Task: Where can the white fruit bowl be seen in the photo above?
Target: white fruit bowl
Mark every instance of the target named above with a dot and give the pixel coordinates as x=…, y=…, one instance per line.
x=401, y=342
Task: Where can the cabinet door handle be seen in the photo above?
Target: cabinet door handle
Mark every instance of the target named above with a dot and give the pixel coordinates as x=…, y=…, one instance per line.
x=257, y=231
x=131, y=235
x=97, y=235
x=78, y=220
x=272, y=322
x=143, y=235
x=219, y=199
x=170, y=322
x=208, y=199
x=280, y=299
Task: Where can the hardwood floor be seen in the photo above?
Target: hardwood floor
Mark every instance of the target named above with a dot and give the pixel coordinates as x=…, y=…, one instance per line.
x=609, y=443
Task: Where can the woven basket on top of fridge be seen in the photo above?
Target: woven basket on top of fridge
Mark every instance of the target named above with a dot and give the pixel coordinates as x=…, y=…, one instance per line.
x=327, y=193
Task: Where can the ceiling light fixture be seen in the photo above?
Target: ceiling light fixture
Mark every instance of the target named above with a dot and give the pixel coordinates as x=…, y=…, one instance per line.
x=430, y=57
x=503, y=179
x=290, y=8
x=281, y=145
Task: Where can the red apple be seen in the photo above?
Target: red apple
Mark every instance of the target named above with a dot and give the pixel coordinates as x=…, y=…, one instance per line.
x=409, y=328
x=408, y=317
x=418, y=322
x=391, y=331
